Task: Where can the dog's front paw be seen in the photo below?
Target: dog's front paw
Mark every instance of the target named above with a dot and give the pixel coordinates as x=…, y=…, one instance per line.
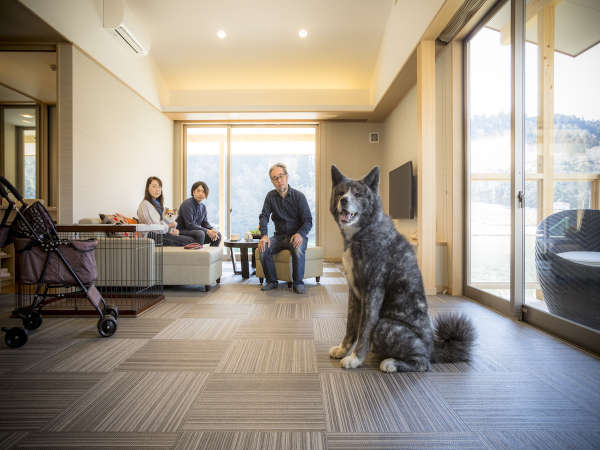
x=350, y=362
x=337, y=352
x=388, y=365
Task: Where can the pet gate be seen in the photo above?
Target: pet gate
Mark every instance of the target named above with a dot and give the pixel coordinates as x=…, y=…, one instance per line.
x=129, y=262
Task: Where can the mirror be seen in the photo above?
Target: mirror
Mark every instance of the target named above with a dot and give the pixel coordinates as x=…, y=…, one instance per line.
x=20, y=162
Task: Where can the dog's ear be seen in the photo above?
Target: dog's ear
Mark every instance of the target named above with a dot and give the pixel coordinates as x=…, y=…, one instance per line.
x=174, y=210
x=372, y=179
x=336, y=176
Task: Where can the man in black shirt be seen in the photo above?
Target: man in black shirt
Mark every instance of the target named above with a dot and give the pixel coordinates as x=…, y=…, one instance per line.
x=290, y=212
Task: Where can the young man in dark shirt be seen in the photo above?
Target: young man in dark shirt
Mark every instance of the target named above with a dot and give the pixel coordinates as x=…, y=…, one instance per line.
x=290, y=212
x=192, y=219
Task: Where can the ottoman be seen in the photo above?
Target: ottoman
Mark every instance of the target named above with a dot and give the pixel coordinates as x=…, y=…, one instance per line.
x=202, y=266
x=283, y=265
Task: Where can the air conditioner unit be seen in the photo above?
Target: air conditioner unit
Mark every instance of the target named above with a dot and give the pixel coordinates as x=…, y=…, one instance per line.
x=122, y=23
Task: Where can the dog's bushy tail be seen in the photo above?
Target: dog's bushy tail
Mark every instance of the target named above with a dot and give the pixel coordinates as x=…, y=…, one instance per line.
x=454, y=338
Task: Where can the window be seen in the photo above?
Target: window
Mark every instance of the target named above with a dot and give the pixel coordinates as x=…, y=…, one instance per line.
x=558, y=121
x=489, y=157
x=234, y=161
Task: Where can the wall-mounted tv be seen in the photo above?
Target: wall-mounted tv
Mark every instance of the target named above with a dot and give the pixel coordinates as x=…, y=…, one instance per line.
x=402, y=192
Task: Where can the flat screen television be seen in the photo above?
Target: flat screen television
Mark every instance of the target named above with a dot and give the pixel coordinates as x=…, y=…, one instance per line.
x=402, y=196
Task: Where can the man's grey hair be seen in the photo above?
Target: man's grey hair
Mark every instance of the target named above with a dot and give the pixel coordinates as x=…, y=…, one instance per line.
x=275, y=166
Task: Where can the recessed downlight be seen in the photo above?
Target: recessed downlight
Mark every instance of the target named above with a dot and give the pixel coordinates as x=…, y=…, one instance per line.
x=27, y=116
x=221, y=34
x=302, y=33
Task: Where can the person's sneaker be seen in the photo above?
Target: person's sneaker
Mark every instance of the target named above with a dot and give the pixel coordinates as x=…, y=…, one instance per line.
x=299, y=289
x=268, y=286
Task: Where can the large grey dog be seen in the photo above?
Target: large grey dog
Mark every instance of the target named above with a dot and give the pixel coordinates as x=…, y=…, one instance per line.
x=387, y=307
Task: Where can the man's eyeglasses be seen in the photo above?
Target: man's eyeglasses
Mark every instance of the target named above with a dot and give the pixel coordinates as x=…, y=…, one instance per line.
x=278, y=177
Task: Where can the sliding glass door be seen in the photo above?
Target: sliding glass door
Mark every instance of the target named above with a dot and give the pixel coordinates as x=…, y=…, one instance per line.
x=489, y=157
x=234, y=161
x=253, y=151
x=562, y=138
x=533, y=165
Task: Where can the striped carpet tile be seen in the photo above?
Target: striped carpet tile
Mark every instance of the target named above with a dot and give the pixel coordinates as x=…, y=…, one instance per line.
x=248, y=440
x=9, y=440
x=258, y=402
x=99, y=440
x=269, y=356
x=134, y=328
x=54, y=329
x=275, y=329
x=204, y=329
x=166, y=310
x=91, y=355
x=36, y=350
x=229, y=298
x=29, y=401
x=154, y=402
x=289, y=311
x=329, y=330
x=479, y=363
x=320, y=296
x=384, y=441
x=370, y=402
x=515, y=401
x=329, y=311
x=173, y=355
x=218, y=311
x=543, y=440
x=577, y=384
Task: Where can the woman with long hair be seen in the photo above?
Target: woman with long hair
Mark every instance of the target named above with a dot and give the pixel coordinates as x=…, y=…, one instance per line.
x=151, y=211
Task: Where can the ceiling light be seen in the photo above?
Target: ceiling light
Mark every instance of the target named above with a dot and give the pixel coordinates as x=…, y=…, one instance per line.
x=27, y=116
x=302, y=33
x=27, y=121
x=221, y=34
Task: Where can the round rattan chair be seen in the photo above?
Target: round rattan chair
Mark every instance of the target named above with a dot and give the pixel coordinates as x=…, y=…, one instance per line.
x=571, y=287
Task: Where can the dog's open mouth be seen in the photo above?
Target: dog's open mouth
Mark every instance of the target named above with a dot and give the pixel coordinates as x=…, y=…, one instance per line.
x=346, y=216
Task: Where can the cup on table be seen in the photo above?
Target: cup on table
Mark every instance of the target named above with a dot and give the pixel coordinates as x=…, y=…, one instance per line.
x=248, y=236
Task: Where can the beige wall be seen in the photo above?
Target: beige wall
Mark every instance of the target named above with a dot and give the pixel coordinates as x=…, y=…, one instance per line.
x=118, y=141
x=10, y=163
x=345, y=144
x=400, y=146
x=443, y=125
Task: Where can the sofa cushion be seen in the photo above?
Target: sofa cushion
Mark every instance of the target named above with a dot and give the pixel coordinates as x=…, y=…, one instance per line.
x=311, y=253
x=180, y=256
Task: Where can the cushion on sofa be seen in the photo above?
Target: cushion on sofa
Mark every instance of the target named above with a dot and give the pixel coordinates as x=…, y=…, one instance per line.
x=202, y=256
x=311, y=253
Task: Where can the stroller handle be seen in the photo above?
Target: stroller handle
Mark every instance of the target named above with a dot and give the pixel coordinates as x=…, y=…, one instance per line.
x=11, y=188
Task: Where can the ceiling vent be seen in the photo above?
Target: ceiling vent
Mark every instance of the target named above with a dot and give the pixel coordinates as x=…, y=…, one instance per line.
x=118, y=19
x=460, y=19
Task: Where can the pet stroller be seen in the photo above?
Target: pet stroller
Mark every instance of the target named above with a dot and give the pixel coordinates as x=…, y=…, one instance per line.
x=44, y=259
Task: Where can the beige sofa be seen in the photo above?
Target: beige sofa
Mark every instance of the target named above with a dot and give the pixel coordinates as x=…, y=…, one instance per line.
x=283, y=265
x=124, y=261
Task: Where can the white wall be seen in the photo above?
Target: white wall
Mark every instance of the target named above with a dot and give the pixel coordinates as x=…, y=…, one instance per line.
x=80, y=21
x=406, y=24
x=118, y=141
x=346, y=145
x=400, y=146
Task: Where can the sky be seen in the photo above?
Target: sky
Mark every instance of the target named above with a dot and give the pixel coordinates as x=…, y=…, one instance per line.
x=577, y=90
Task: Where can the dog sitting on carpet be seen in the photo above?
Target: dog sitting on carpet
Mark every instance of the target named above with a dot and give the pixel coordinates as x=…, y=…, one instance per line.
x=387, y=307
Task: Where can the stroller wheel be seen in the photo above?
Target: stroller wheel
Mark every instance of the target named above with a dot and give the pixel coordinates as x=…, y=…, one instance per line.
x=15, y=337
x=107, y=326
x=33, y=320
x=112, y=310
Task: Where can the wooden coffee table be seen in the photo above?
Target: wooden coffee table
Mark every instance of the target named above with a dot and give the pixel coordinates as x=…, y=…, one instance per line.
x=243, y=245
